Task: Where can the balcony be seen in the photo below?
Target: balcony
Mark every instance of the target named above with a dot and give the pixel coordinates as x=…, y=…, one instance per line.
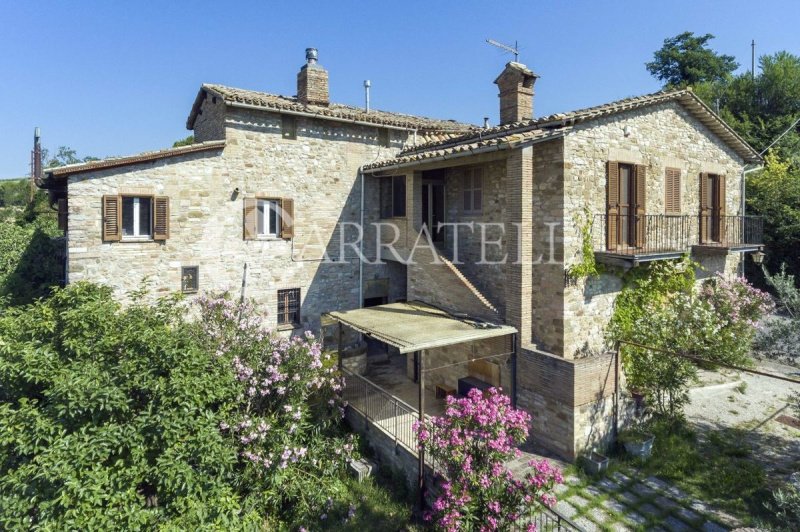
x=625, y=239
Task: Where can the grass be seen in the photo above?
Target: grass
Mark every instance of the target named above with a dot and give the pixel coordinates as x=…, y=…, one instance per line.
x=715, y=468
x=383, y=503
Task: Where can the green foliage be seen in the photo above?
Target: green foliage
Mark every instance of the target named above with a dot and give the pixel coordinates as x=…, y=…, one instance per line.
x=785, y=506
x=64, y=156
x=29, y=258
x=718, y=467
x=686, y=59
x=587, y=267
x=659, y=310
x=781, y=335
x=14, y=192
x=183, y=142
x=774, y=193
x=123, y=418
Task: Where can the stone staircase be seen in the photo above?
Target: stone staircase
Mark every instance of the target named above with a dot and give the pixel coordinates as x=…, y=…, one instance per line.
x=434, y=278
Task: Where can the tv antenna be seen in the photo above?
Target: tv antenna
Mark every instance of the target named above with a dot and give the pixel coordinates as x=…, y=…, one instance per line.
x=507, y=48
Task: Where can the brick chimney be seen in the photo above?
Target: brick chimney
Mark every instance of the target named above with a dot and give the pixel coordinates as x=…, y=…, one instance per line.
x=516, y=93
x=312, y=81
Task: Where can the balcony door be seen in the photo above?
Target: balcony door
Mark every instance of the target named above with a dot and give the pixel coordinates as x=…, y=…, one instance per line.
x=433, y=209
x=712, y=208
x=625, y=220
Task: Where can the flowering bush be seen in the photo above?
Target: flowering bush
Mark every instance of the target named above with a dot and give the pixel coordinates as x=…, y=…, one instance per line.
x=285, y=423
x=472, y=442
x=659, y=308
x=138, y=418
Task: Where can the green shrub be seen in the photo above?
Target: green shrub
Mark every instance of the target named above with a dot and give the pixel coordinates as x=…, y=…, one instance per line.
x=133, y=418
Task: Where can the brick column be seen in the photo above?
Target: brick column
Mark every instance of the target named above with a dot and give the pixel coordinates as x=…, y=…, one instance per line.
x=519, y=238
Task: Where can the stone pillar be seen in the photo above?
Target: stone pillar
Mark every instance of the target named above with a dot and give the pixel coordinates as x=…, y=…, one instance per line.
x=519, y=237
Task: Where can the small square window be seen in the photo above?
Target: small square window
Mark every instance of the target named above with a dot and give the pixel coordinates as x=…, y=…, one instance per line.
x=383, y=137
x=289, y=307
x=137, y=217
x=190, y=279
x=288, y=127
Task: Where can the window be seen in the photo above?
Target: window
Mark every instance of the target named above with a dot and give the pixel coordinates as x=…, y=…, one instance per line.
x=473, y=190
x=383, y=137
x=393, y=196
x=288, y=127
x=137, y=217
x=268, y=217
x=289, y=307
x=189, y=279
x=672, y=190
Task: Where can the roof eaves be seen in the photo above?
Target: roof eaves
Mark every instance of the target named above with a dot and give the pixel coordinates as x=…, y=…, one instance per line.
x=62, y=171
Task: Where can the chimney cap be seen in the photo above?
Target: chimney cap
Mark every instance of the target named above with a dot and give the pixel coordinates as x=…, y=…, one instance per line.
x=311, y=55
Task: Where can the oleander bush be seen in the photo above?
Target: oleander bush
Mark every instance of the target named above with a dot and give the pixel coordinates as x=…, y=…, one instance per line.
x=471, y=443
x=138, y=418
x=661, y=309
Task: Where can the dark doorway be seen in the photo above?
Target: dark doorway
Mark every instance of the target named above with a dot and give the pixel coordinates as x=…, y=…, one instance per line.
x=375, y=347
x=433, y=209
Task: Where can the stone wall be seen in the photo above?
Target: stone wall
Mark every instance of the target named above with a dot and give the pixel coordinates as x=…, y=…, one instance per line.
x=210, y=121
x=660, y=136
x=482, y=265
x=319, y=171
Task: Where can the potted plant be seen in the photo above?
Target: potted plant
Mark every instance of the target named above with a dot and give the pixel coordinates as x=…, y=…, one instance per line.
x=637, y=442
x=595, y=463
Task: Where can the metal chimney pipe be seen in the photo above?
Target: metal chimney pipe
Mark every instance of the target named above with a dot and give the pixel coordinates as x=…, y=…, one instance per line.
x=311, y=55
x=367, y=85
x=485, y=122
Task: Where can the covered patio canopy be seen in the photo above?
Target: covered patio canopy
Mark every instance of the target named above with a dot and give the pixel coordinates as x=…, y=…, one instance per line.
x=416, y=326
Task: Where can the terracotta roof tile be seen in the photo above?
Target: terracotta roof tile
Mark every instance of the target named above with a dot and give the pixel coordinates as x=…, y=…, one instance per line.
x=114, y=162
x=335, y=111
x=686, y=97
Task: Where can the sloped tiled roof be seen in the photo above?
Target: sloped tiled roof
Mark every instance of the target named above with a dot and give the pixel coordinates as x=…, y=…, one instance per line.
x=451, y=151
x=113, y=162
x=346, y=113
x=685, y=97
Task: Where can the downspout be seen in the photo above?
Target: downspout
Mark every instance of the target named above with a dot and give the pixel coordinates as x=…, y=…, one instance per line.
x=361, y=245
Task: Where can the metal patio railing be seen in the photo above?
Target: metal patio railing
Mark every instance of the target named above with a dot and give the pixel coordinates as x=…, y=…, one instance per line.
x=652, y=234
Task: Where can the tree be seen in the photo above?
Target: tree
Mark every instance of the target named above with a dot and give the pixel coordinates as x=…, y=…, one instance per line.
x=686, y=59
x=138, y=419
x=64, y=156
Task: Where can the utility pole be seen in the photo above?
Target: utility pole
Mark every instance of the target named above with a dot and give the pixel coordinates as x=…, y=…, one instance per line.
x=753, y=60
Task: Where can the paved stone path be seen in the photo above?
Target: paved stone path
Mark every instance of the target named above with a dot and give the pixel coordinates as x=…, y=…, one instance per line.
x=625, y=500
x=622, y=501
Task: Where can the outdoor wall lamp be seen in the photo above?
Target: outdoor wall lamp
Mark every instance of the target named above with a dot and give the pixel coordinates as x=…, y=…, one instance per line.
x=758, y=257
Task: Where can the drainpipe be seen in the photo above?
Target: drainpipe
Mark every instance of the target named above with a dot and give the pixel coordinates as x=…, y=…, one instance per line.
x=361, y=246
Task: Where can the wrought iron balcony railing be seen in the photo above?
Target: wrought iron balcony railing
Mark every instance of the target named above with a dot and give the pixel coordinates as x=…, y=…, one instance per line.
x=654, y=234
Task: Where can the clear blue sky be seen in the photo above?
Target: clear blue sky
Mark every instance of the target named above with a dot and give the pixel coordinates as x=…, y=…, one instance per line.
x=115, y=78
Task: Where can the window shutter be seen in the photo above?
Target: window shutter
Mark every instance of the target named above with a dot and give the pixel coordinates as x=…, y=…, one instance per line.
x=287, y=218
x=62, y=214
x=672, y=191
x=160, y=218
x=640, y=182
x=250, y=218
x=111, y=218
x=720, y=214
x=705, y=212
x=612, y=205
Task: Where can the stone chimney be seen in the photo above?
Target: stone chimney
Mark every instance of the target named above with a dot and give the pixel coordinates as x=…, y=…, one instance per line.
x=312, y=81
x=516, y=93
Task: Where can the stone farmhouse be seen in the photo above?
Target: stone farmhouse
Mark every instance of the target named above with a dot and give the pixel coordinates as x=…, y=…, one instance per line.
x=273, y=195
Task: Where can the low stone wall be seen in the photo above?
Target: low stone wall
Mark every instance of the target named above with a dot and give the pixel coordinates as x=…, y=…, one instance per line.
x=386, y=451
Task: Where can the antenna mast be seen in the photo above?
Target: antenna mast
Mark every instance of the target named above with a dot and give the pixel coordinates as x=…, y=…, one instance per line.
x=514, y=50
